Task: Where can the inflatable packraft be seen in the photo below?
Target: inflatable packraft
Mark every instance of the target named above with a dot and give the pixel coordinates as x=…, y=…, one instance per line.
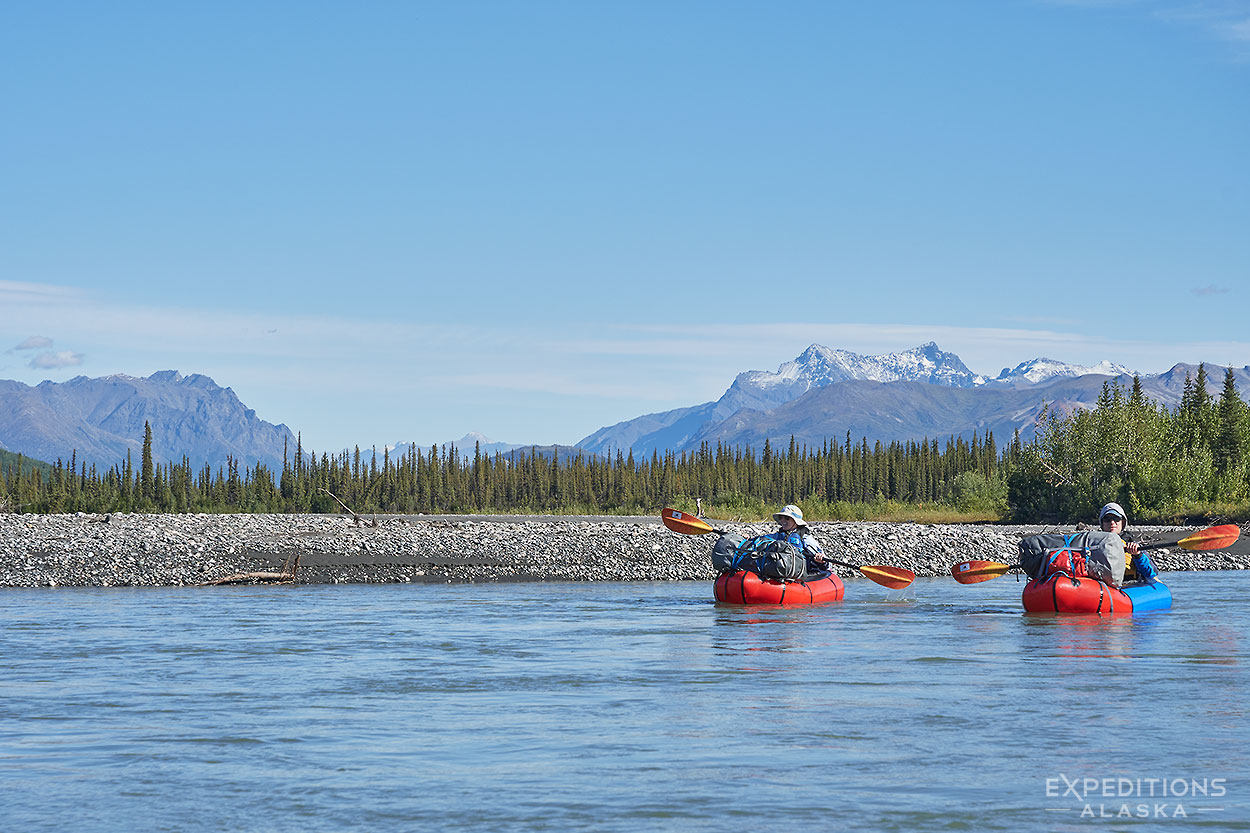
x=1081, y=572
x=1060, y=593
x=747, y=588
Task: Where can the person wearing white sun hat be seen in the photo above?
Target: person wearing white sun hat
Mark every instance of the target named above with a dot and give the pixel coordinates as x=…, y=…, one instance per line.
x=1111, y=518
x=795, y=530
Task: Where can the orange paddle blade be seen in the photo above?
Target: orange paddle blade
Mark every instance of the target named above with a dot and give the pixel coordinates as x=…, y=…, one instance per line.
x=971, y=572
x=1211, y=538
x=684, y=522
x=895, y=578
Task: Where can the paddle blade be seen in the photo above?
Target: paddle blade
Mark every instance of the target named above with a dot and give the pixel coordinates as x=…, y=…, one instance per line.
x=895, y=578
x=972, y=572
x=1211, y=538
x=684, y=522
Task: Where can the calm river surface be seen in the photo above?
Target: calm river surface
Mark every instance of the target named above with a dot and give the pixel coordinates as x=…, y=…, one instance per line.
x=618, y=707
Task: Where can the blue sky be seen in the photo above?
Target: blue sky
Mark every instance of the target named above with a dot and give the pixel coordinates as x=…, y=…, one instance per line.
x=382, y=222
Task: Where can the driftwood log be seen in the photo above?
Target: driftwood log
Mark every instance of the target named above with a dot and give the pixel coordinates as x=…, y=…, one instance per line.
x=287, y=576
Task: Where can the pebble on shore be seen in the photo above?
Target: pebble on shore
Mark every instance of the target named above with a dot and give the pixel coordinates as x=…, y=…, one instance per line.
x=131, y=550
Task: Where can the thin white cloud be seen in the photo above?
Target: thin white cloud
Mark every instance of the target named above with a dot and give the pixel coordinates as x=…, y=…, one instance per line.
x=1094, y=4
x=343, y=379
x=341, y=344
x=1238, y=31
x=538, y=382
x=1225, y=19
x=34, y=343
x=17, y=292
x=174, y=330
x=59, y=359
x=1210, y=289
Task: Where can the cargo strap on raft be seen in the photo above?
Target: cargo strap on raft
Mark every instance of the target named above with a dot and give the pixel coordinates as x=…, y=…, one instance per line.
x=1053, y=555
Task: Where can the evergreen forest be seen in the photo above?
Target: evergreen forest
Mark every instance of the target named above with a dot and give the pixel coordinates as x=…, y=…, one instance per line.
x=1162, y=464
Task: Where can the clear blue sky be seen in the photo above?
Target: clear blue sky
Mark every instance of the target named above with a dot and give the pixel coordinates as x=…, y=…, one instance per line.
x=383, y=222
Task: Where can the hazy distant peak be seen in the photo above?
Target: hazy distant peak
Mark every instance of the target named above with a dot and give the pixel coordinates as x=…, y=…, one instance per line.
x=1035, y=371
x=473, y=437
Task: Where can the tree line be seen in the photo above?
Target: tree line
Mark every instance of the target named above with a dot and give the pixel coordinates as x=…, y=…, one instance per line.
x=443, y=480
x=1160, y=463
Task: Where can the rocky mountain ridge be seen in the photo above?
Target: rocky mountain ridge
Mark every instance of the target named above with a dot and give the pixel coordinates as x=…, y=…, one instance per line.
x=100, y=420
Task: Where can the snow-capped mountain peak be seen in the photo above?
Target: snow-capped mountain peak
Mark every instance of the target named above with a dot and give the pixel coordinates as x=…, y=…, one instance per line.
x=1036, y=371
x=818, y=366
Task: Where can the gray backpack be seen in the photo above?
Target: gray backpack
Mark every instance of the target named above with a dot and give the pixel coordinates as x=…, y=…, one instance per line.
x=1095, y=554
x=725, y=554
x=781, y=561
x=762, y=555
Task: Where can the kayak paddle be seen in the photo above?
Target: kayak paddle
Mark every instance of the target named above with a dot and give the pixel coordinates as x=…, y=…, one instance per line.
x=1211, y=538
x=975, y=571
x=895, y=578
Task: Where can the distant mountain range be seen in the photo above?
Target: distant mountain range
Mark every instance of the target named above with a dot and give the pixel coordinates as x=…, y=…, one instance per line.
x=474, y=443
x=821, y=395
x=923, y=392
x=101, y=419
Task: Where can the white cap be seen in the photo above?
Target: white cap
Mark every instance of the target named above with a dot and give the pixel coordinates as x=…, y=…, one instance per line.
x=790, y=511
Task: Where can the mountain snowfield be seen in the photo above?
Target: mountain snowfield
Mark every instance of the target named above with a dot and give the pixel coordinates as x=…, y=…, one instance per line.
x=818, y=365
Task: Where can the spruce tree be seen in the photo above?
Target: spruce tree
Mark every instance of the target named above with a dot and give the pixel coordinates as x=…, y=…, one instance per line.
x=147, y=483
x=1229, y=445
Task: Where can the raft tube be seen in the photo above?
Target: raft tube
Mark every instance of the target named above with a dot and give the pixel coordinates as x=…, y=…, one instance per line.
x=1061, y=594
x=747, y=588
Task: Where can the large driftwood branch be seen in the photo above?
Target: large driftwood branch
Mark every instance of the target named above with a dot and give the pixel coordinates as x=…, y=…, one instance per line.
x=1060, y=478
x=359, y=521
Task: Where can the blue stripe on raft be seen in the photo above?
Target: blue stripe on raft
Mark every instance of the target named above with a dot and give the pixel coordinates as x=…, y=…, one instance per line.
x=1153, y=595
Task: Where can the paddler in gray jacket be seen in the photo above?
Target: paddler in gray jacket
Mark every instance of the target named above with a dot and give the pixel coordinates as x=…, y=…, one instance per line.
x=1111, y=518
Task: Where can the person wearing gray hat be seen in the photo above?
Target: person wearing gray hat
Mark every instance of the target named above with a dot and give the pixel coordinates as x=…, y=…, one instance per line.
x=794, y=529
x=1111, y=518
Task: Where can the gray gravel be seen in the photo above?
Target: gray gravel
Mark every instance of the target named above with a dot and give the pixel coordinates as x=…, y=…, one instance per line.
x=171, y=550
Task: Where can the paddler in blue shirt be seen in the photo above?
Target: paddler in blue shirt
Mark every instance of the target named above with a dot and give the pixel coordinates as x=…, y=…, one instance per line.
x=794, y=529
x=1112, y=519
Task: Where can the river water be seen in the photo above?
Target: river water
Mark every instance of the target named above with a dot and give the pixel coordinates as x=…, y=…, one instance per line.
x=619, y=707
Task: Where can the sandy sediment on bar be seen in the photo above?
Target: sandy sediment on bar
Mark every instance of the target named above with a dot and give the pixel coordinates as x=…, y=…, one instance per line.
x=177, y=550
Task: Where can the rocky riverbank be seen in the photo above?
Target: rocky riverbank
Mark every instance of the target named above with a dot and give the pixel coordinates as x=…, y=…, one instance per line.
x=176, y=550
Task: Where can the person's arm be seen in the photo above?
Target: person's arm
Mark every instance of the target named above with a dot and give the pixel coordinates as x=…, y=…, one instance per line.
x=812, y=549
x=1130, y=543
x=1143, y=566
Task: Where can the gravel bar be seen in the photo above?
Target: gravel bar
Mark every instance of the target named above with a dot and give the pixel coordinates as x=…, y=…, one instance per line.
x=132, y=550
